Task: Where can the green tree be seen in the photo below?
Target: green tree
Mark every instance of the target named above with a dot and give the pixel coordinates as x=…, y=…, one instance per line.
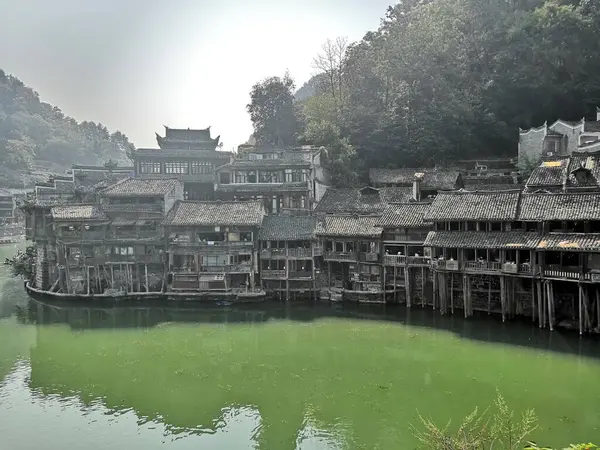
x=273, y=113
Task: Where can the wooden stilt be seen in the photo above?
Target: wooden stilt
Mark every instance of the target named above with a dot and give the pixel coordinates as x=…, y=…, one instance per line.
x=87, y=270
x=598, y=308
x=112, y=276
x=580, y=309
x=490, y=298
x=407, y=287
x=146, y=274
x=503, y=298
x=423, y=287
x=540, y=294
x=451, y=290
x=465, y=300
x=551, y=306
x=435, y=293
x=586, y=312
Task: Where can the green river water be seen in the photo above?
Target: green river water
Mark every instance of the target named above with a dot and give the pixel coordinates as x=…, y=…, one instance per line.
x=272, y=376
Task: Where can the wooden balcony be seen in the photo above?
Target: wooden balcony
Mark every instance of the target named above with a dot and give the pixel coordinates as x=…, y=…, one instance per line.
x=273, y=253
x=561, y=272
x=231, y=268
x=340, y=256
x=272, y=274
x=368, y=256
x=300, y=252
x=483, y=266
x=442, y=264
x=402, y=261
x=299, y=275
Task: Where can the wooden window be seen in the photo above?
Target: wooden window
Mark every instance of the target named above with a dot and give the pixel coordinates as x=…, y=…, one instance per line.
x=149, y=167
x=201, y=167
x=294, y=176
x=181, y=167
x=241, y=177
x=224, y=178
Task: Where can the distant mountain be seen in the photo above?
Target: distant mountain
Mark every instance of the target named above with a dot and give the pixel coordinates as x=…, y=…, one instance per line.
x=310, y=88
x=35, y=134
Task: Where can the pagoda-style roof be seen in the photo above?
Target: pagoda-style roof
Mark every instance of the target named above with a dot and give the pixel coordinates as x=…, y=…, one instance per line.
x=187, y=138
x=194, y=213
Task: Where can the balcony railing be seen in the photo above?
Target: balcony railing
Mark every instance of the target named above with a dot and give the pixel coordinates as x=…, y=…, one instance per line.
x=299, y=252
x=318, y=250
x=442, y=264
x=340, y=256
x=232, y=268
x=368, y=256
x=556, y=271
x=299, y=274
x=402, y=260
x=193, y=242
x=483, y=266
x=272, y=274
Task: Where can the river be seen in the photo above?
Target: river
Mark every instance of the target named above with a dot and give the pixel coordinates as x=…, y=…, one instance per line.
x=274, y=376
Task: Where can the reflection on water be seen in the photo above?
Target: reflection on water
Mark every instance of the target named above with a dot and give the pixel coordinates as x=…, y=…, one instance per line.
x=275, y=376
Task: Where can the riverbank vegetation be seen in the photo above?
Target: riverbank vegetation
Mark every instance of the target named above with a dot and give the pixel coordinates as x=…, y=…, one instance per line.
x=36, y=136
x=500, y=429
x=443, y=80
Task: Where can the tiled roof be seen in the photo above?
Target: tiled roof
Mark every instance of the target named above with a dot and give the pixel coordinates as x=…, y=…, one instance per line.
x=463, y=205
x=262, y=187
x=584, y=171
x=433, y=178
x=492, y=187
x=549, y=173
x=360, y=226
x=287, y=228
x=592, y=127
x=77, y=212
x=361, y=201
x=143, y=187
x=405, y=215
x=215, y=213
x=570, y=241
x=483, y=239
x=560, y=206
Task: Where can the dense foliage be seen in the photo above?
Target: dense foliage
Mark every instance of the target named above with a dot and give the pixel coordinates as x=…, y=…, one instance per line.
x=453, y=79
x=272, y=111
x=36, y=133
x=22, y=264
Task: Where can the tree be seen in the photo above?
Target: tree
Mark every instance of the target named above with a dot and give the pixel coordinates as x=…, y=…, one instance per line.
x=330, y=62
x=273, y=113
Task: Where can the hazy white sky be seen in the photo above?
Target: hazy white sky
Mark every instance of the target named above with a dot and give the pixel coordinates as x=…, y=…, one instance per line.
x=135, y=65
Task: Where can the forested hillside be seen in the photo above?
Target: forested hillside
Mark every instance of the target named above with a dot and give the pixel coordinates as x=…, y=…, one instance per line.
x=451, y=79
x=36, y=134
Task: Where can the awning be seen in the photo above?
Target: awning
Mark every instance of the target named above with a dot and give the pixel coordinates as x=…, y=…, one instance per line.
x=574, y=242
